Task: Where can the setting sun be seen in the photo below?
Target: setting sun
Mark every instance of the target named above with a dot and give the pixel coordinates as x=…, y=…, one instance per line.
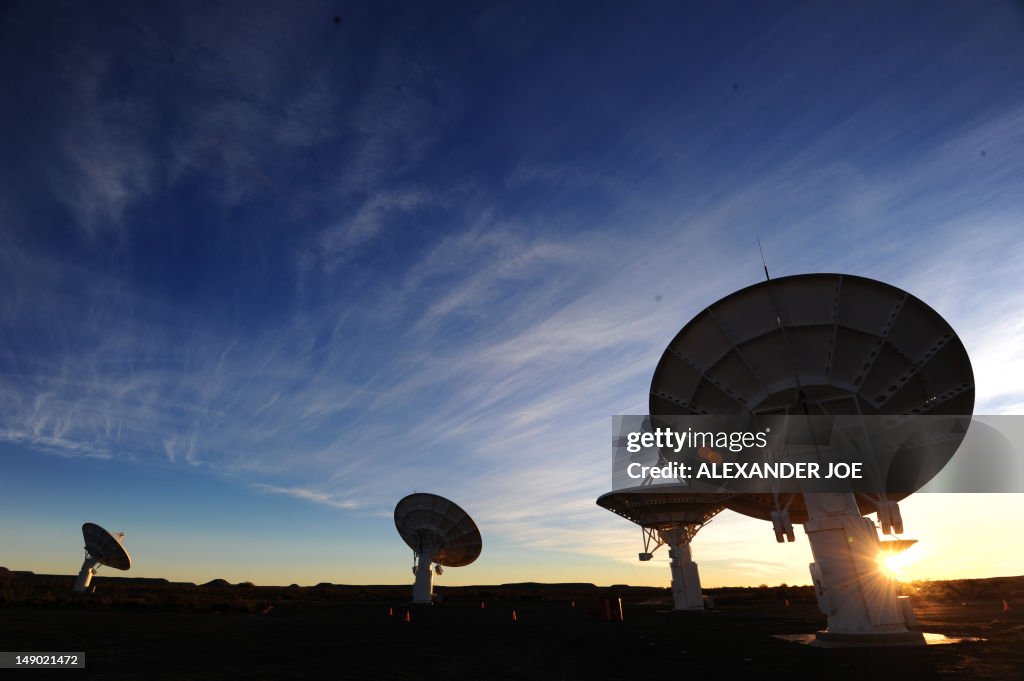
x=894, y=563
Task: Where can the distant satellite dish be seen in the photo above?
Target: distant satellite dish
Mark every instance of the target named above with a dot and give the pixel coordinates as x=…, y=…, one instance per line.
x=822, y=345
x=438, y=532
x=671, y=515
x=101, y=548
x=818, y=344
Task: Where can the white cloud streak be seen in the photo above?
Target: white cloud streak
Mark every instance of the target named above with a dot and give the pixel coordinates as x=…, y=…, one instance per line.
x=309, y=495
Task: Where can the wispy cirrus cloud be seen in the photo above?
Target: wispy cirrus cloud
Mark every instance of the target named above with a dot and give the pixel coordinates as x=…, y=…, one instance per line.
x=309, y=495
x=339, y=243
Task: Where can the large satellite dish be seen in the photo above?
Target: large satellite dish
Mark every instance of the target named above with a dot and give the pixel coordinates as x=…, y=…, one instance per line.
x=669, y=515
x=438, y=532
x=101, y=548
x=818, y=344
x=829, y=345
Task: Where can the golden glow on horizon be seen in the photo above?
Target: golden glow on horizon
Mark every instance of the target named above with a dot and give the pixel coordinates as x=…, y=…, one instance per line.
x=956, y=540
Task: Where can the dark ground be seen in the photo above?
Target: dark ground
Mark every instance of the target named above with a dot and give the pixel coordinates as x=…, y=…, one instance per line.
x=150, y=629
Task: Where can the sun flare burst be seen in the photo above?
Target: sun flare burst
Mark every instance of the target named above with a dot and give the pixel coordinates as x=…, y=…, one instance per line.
x=895, y=564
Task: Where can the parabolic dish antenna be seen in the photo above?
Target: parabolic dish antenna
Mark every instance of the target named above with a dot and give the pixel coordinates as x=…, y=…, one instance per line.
x=438, y=532
x=671, y=515
x=818, y=344
x=829, y=345
x=101, y=548
x=665, y=508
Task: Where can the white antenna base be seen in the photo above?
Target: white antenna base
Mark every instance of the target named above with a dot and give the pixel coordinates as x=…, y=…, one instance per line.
x=686, y=593
x=85, y=575
x=852, y=590
x=423, y=587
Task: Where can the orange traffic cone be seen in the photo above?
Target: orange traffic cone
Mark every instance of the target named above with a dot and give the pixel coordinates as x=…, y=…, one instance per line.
x=787, y=602
x=407, y=618
x=514, y=618
x=1006, y=606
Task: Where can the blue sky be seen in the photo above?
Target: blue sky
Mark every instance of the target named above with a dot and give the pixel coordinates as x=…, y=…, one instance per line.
x=264, y=273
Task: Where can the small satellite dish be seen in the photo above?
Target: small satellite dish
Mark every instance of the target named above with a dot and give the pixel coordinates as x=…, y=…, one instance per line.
x=671, y=515
x=101, y=548
x=439, y=533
